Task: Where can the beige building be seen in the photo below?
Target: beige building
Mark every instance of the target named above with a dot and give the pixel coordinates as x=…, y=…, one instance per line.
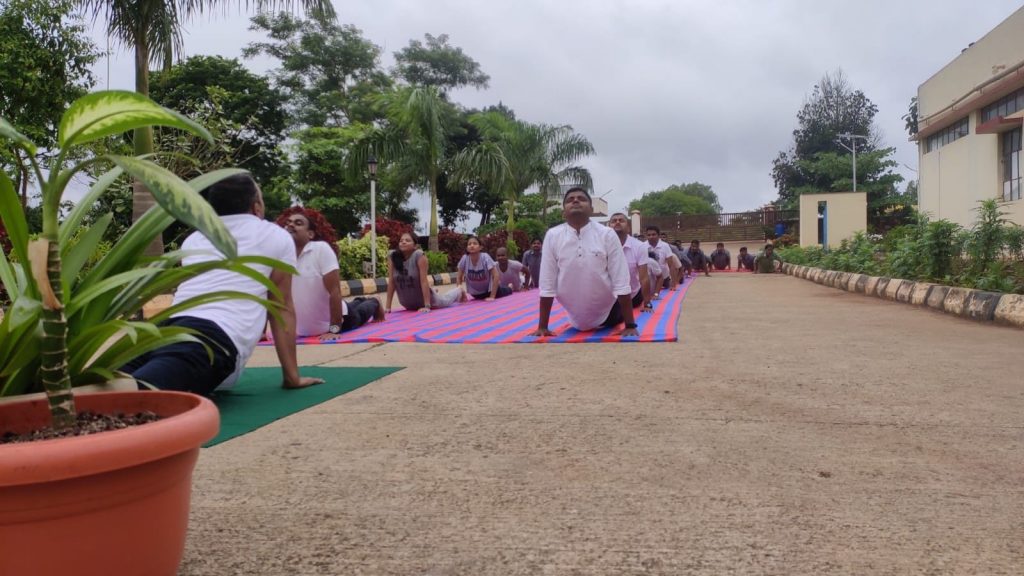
x=969, y=137
x=828, y=219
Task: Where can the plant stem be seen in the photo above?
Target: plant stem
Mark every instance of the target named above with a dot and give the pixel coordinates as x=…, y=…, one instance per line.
x=54, y=368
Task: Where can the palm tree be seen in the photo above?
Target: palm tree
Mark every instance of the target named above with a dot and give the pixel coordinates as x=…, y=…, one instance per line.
x=414, y=140
x=153, y=29
x=515, y=155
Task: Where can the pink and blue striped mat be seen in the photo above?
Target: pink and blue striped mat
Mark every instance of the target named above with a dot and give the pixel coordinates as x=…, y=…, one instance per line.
x=510, y=320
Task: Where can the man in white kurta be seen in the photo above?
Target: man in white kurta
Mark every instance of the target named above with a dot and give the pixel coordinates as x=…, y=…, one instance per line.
x=583, y=265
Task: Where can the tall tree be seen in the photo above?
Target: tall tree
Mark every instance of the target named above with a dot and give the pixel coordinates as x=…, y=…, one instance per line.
x=414, y=140
x=515, y=155
x=153, y=28
x=834, y=107
x=693, y=198
x=435, y=62
x=45, y=55
x=329, y=71
x=251, y=111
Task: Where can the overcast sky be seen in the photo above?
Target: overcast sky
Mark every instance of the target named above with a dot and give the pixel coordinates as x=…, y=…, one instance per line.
x=668, y=91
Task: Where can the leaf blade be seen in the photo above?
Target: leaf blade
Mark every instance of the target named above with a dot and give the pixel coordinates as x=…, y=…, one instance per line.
x=109, y=112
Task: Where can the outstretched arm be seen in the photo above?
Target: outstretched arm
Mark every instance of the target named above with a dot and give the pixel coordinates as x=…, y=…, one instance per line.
x=284, y=333
x=424, y=283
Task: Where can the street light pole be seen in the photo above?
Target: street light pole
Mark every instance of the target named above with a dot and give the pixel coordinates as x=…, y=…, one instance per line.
x=372, y=164
x=853, y=139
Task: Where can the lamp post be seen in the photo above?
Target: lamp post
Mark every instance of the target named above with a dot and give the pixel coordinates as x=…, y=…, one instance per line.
x=853, y=139
x=372, y=165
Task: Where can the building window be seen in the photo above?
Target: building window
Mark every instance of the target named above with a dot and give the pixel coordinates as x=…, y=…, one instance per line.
x=947, y=135
x=1004, y=106
x=1010, y=151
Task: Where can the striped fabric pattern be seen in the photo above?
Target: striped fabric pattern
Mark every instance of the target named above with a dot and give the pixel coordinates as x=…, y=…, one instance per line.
x=510, y=320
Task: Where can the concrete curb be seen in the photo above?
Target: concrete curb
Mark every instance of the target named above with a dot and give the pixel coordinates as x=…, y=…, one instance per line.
x=977, y=305
x=366, y=286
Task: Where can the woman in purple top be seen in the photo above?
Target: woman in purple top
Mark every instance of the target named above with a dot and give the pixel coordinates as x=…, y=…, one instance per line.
x=480, y=273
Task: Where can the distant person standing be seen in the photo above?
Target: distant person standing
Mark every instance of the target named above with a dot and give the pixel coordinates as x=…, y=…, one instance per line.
x=531, y=259
x=745, y=261
x=585, y=268
x=699, y=259
x=721, y=259
x=768, y=262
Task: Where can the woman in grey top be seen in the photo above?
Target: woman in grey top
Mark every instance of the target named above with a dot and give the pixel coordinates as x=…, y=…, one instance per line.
x=480, y=273
x=407, y=277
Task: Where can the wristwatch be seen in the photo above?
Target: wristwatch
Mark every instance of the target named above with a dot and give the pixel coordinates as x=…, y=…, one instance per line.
x=334, y=329
x=631, y=325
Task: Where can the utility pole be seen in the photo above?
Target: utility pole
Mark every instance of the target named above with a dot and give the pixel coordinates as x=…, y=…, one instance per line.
x=853, y=139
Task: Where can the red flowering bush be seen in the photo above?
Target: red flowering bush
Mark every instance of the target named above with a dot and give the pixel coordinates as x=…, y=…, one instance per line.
x=393, y=229
x=500, y=238
x=453, y=244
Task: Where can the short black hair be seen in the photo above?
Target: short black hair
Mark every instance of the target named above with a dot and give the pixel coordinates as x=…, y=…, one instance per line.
x=576, y=189
x=536, y=240
x=653, y=227
x=619, y=214
x=694, y=241
x=742, y=248
x=232, y=195
x=720, y=244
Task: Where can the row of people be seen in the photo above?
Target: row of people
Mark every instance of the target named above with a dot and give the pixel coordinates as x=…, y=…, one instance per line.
x=598, y=274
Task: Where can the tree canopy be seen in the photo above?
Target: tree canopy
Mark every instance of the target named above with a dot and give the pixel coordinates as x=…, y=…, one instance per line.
x=329, y=71
x=435, y=62
x=45, y=59
x=818, y=162
x=692, y=198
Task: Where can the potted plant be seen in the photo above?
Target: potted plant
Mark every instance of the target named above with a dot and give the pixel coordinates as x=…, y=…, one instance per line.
x=115, y=502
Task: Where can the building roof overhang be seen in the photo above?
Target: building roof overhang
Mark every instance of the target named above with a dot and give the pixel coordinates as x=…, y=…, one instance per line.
x=1001, y=124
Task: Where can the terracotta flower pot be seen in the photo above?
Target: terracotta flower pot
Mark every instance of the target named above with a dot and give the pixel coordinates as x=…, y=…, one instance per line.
x=110, y=503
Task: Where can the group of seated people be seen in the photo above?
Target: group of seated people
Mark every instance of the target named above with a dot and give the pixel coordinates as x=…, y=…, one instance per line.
x=598, y=273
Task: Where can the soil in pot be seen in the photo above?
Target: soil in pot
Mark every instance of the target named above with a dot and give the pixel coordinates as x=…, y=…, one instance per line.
x=87, y=423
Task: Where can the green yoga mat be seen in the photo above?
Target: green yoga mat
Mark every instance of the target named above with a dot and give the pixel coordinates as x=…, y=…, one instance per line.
x=258, y=399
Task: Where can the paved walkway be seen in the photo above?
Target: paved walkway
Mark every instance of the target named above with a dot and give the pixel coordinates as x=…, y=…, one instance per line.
x=794, y=429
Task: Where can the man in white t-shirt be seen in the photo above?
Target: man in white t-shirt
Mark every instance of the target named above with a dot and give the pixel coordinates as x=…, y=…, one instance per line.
x=583, y=265
x=316, y=290
x=230, y=329
x=636, y=259
x=510, y=271
x=668, y=261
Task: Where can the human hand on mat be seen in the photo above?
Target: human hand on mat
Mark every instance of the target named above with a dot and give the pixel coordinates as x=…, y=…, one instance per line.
x=648, y=308
x=542, y=332
x=626, y=332
x=304, y=382
x=425, y=309
x=328, y=337
x=489, y=299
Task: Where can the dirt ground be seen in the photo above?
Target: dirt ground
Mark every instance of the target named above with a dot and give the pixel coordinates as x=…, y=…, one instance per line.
x=793, y=429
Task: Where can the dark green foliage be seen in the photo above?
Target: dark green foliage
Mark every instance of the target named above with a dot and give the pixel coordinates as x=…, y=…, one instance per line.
x=990, y=256
x=45, y=61
x=437, y=262
x=691, y=198
x=251, y=111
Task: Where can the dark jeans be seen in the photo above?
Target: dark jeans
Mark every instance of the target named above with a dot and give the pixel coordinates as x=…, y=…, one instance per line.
x=187, y=366
x=360, y=311
x=615, y=314
x=502, y=292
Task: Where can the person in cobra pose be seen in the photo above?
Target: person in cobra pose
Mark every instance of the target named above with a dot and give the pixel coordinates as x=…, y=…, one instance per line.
x=408, y=278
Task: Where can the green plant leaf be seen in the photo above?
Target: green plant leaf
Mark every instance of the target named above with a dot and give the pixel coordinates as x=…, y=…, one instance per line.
x=84, y=297
x=203, y=181
x=101, y=114
x=82, y=207
x=181, y=201
x=206, y=299
x=74, y=257
x=11, y=133
x=13, y=216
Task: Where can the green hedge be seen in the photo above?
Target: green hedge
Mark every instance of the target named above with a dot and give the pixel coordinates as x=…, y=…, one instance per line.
x=352, y=254
x=988, y=256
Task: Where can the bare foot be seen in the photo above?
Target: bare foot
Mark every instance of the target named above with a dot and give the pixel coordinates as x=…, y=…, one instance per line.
x=304, y=382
